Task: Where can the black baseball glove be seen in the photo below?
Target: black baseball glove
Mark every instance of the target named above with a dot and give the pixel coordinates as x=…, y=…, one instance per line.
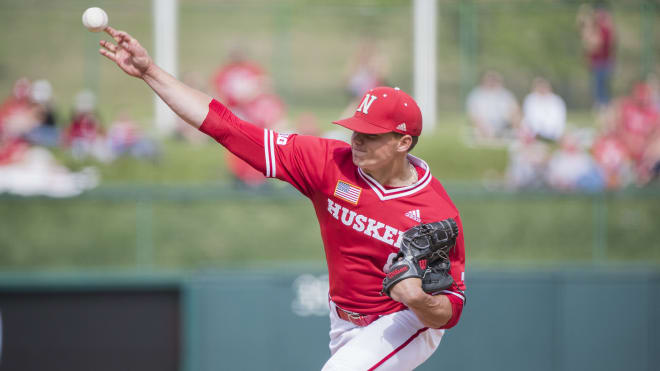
x=424, y=254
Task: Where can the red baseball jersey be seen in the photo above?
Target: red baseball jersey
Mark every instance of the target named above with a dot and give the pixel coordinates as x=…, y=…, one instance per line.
x=361, y=221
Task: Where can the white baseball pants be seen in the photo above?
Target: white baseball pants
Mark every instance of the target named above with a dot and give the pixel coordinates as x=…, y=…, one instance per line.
x=397, y=342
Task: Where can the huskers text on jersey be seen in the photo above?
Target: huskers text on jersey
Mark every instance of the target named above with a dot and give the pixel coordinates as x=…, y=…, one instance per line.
x=368, y=226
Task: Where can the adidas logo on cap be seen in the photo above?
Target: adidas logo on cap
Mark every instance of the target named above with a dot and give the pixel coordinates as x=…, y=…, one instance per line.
x=383, y=110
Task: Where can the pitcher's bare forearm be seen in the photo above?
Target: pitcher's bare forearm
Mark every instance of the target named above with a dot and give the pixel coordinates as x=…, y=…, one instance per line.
x=132, y=58
x=190, y=104
x=432, y=311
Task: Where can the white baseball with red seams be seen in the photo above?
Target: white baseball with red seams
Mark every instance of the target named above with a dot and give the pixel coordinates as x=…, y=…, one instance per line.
x=95, y=19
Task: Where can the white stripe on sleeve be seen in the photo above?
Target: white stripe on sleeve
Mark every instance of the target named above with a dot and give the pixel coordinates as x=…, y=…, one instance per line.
x=454, y=293
x=266, y=153
x=272, y=154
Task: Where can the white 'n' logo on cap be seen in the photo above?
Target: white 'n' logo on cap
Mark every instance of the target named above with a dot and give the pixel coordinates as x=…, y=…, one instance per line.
x=366, y=103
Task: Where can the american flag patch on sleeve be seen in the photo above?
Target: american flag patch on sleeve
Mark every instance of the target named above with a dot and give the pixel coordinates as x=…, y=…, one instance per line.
x=347, y=192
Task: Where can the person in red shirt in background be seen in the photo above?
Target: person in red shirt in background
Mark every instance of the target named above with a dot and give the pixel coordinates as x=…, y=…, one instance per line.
x=597, y=34
x=85, y=135
x=16, y=118
x=637, y=121
x=16, y=104
x=239, y=81
x=245, y=87
x=85, y=125
x=612, y=157
x=626, y=148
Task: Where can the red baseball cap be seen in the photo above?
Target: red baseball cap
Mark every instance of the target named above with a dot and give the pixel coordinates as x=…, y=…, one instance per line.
x=383, y=110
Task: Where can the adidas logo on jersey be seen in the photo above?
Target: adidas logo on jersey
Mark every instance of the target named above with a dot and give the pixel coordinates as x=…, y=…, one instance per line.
x=414, y=215
x=401, y=126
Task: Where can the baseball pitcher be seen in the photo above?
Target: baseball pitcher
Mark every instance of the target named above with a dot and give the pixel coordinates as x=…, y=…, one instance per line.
x=393, y=238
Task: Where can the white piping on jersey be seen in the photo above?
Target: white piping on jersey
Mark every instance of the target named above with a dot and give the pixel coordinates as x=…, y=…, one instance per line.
x=272, y=153
x=269, y=153
x=415, y=161
x=455, y=294
x=266, y=153
x=382, y=192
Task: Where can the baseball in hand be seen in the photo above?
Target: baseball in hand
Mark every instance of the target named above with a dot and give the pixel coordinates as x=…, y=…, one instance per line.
x=95, y=19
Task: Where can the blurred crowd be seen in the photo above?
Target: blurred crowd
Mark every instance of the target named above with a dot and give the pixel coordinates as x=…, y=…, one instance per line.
x=246, y=89
x=31, y=134
x=620, y=149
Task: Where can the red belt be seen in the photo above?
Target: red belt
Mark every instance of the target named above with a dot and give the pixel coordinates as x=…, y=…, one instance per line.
x=356, y=318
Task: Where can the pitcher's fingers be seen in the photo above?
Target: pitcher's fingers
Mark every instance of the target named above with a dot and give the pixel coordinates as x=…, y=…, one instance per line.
x=108, y=45
x=132, y=46
x=110, y=31
x=111, y=56
x=117, y=35
x=123, y=36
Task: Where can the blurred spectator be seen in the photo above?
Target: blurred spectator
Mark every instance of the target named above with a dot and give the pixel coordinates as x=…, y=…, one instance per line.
x=17, y=115
x=245, y=88
x=19, y=99
x=29, y=170
x=544, y=112
x=85, y=135
x=636, y=121
x=612, y=157
x=16, y=118
x=571, y=168
x=493, y=110
x=266, y=110
x=527, y=161
x=597, y=35
x=239, y=81
x=125, y=138
x=46, y=132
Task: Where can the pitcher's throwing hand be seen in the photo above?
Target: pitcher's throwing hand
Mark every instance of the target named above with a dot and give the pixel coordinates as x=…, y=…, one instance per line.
x=127, y=53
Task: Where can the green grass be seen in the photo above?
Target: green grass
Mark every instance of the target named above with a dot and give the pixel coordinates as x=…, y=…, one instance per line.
x=204, y=227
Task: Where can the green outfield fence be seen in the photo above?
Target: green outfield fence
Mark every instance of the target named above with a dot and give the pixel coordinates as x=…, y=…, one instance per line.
x=577, y=318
